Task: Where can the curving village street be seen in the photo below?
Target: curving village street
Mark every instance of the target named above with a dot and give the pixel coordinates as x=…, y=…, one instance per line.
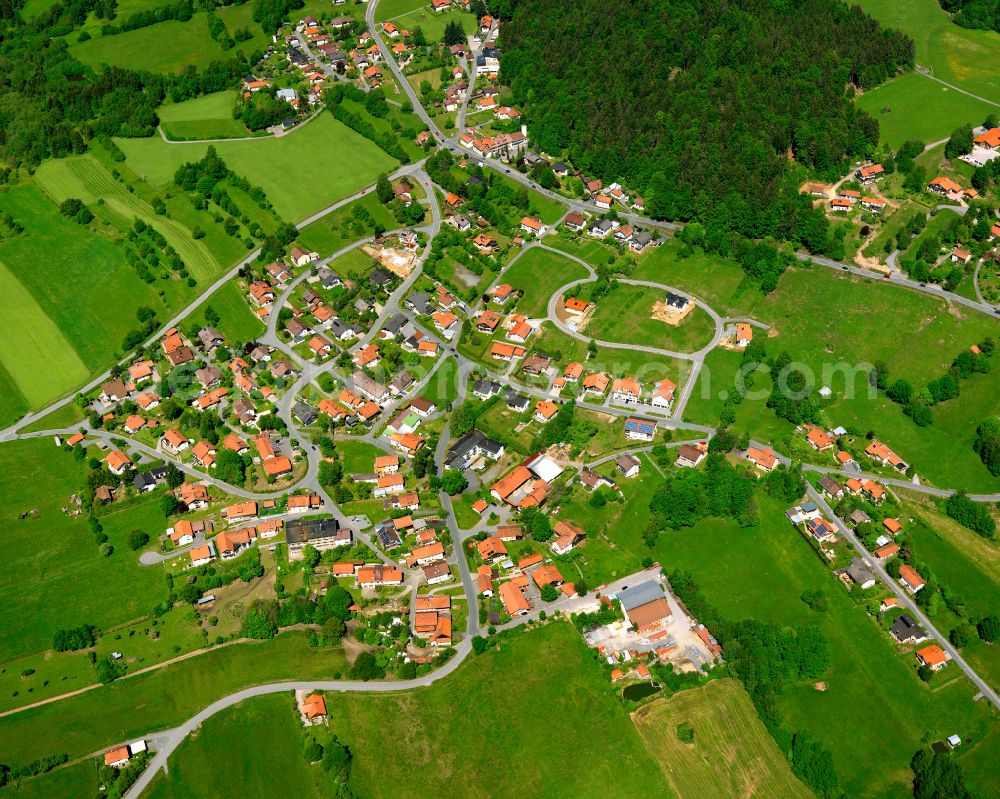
x=165, y=742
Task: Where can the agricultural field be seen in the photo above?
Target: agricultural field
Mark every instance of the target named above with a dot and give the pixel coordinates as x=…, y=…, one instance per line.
x=625, y=315
x=302, y=172
x=55, y=576
x=913, y=107
x=732, y=753
x=562, y=692
x=57, y=329
x=170, y=46
x=207, y=117
x=87, y=722
x=266, y=723
x=538, y=273
x=761, y=573
x=86, y=179
x=969, y=59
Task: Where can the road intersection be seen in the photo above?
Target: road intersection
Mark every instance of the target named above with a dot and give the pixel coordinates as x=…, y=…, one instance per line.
x=166, y=742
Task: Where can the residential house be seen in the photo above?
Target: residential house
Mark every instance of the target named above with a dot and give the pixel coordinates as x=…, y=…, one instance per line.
x=637, y=429
x=628, y=465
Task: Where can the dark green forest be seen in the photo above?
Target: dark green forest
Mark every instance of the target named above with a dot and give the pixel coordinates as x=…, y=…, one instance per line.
x=52, y=105
x=977, y=14
x=714, y=110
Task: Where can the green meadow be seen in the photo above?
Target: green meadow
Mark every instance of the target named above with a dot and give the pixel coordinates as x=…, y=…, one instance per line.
x=561, y=691
x=161, y=698
x=54, y=574
x=625, y=315
x=970, y=59
x=207, y=117
x=267, y=723
x=301, y=172
x=760, y=573
x=67, y=311
x=237, y=323
x=170, y=46
x=913, y=107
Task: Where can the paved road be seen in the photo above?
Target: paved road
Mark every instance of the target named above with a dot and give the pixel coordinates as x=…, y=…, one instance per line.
x=167, y=741
x=10, y=432
x=927, y=74
x=905, y=598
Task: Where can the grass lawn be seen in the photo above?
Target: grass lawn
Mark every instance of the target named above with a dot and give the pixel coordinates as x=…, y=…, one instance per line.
x=171, y=45
x=625, y=315
x=433, y=24
x=237, y=323
x=761, y=573
x=263, y=724
x=913, y=107
x=391, y=9
x=301, y=173
x=338, y=229
x=967, y=58
x=207, y=117
x=353, y=263
x=442, y=388
x=55, y=576
x=85, y=723
x=561, y=691
x=538, y=273
x=357, y=456
x=732, y=753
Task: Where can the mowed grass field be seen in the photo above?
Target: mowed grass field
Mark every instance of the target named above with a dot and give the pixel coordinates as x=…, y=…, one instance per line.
x=538, y=273
x=161, y=698
x=760, y=573
x=207, y=117
x=301, y=173
x=732, y=753
x=966, y=58
x=85, y=178
x=915, y=107
x=624, y=315
x=54, y=575
x=70, y=298
x=417, y=743
x=265, y=724
x=357, y=456
x=170, y=46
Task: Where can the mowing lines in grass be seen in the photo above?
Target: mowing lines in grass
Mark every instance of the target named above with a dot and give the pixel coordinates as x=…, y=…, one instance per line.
x=84, y=177
x=732, y=753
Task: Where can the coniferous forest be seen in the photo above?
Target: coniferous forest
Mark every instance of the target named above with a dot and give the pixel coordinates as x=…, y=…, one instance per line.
x=714, y=110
